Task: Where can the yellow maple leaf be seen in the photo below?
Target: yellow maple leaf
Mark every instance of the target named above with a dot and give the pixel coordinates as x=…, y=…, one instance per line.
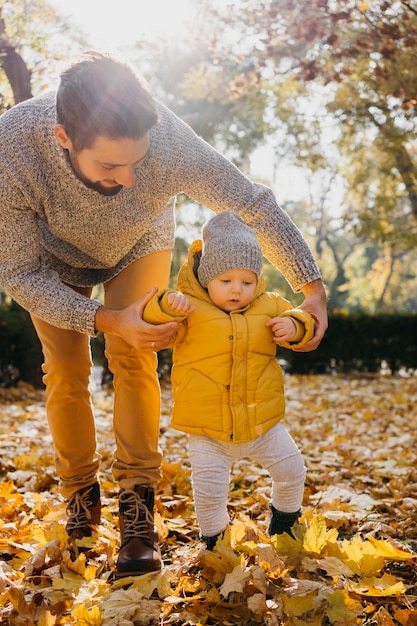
x=10, y=499
x=406, y=617
x=26, y=461
x=317, y=536
x=87, y=616
x=312, y=621
x=16, y=595
x=77, y=566
x=187, y=585
x=342, y=609
x=389, y=551
x=8, y=490
x=90, y=572
x=295, y=606
x=222, y=560
x=129, y=604
x=51, y=532
x=70, y=581
x=285, y=545
x=237, y=532
x=212, y=596
x=361, y=557
x=386, y=585
x=161, y=526
x=46, y=618
x=163, y=580
x=145, y=584
x=39, y=535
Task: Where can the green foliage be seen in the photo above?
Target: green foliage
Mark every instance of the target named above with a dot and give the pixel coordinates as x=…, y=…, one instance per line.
x=21, y=354
x=360, y=342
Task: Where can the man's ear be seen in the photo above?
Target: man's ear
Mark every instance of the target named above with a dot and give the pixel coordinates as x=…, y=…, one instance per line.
x=62, y=137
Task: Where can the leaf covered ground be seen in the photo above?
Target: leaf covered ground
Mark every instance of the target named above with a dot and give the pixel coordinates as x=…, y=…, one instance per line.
x=352, y=560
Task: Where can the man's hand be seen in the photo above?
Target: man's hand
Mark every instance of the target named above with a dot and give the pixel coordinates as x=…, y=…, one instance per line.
x=315, y=303
x=129, y=325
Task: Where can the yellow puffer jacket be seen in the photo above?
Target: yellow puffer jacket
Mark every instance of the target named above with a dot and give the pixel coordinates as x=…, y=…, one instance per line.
x=226, y=382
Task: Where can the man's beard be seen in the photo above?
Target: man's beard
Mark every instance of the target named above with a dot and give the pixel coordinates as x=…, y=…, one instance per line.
x=105, y=191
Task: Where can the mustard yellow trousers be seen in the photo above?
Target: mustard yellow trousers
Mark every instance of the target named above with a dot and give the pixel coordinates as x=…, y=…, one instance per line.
x=67, y=367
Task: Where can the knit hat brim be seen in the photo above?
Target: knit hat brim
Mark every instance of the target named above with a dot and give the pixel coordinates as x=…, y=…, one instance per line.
x=228, y=244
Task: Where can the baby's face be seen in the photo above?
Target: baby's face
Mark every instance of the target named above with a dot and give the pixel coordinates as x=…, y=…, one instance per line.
x=233, y=290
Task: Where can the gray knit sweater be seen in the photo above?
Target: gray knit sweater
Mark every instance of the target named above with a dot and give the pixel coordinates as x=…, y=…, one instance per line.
x=54, y=230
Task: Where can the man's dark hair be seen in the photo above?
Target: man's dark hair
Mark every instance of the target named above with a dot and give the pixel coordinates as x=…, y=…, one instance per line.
x=101, y=96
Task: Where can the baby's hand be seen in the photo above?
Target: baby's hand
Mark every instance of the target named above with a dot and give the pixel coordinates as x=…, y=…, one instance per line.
x=284, y=329
x=179, y=302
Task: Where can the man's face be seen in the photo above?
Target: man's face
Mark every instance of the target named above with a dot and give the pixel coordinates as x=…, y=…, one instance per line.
x=109, y=164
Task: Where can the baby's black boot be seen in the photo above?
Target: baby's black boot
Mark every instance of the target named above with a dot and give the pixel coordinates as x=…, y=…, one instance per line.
x=282, y=522
x=210, y=541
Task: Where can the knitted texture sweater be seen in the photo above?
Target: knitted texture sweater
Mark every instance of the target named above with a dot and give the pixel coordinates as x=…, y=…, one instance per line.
x=54, y=230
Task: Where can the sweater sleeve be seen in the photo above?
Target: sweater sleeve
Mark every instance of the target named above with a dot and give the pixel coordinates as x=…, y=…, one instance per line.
x=27, y=280
x=213, y=181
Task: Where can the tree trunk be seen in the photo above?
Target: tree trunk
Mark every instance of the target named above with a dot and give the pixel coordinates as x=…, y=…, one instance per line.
x=14, y=67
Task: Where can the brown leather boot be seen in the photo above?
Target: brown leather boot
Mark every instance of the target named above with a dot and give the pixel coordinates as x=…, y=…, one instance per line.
x=83, y=510
x=139, y=552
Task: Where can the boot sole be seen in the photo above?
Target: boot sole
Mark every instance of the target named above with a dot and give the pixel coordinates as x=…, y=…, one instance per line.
x=119, y=575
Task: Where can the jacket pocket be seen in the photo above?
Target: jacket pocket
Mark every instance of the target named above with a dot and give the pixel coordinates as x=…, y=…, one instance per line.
x=268, y=397
x=201, y=404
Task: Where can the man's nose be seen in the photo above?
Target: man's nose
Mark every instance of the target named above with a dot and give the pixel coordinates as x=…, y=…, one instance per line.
x=126, y=177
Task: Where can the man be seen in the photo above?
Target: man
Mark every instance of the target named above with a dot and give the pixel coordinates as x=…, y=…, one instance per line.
x=87, y=182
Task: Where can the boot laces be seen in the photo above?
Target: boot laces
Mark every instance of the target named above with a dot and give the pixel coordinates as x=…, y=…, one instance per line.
x=136, y=516
x=79, y=510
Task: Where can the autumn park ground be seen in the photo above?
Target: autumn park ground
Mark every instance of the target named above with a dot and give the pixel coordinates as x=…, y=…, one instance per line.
x=352, y=560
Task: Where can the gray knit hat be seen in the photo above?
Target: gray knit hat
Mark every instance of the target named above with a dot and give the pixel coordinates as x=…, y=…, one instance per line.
x=228, y=244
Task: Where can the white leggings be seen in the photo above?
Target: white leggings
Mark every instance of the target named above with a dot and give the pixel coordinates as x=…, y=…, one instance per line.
x=211, y=461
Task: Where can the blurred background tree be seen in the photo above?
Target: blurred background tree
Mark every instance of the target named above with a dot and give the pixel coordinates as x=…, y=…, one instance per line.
x=329, y=84
x=34, y=42
x=324, y=88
